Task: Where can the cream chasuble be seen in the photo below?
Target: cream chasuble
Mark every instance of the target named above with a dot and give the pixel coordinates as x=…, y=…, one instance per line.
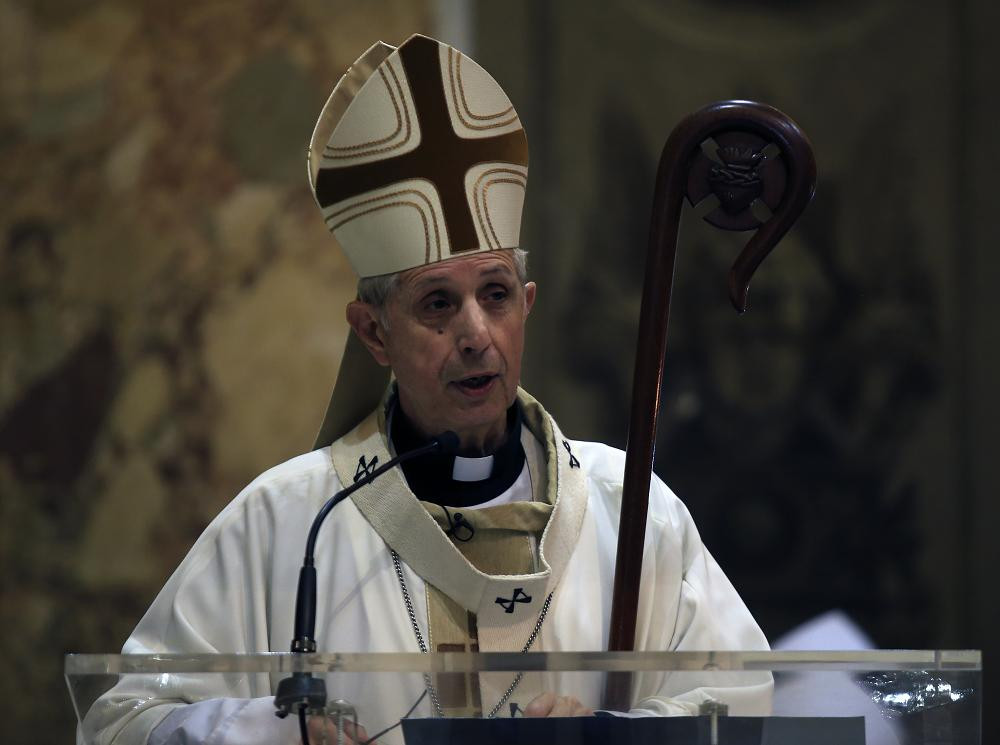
x=235, y=593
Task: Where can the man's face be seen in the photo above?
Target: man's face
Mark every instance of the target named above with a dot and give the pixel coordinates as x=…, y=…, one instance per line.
x=454, y=339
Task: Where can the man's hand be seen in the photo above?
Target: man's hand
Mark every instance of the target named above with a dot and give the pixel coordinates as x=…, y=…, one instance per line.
x=324, y=726
x=549, y=704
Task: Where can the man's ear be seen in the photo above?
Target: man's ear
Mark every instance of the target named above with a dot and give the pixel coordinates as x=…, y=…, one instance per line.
x=363, y=318
x=529, y=296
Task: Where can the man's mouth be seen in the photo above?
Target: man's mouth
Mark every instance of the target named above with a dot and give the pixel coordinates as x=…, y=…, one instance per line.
x=476, y=382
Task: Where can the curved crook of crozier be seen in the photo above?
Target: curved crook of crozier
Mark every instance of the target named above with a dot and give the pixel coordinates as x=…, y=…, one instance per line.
x=746, y=159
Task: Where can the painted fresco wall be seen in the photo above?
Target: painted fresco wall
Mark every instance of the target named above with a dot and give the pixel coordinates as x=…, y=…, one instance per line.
x=171, y=305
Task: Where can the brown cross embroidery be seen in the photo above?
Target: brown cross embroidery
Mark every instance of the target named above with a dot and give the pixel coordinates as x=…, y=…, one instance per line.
x=442, y=157
x=461, y=690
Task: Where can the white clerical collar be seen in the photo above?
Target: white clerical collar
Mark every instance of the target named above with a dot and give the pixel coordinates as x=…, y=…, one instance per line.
x=472, y=469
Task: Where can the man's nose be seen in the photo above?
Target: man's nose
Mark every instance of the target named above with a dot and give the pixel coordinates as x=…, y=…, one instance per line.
x=474, y=332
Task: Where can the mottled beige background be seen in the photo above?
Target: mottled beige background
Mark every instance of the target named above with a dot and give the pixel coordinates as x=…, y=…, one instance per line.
x=171, y=305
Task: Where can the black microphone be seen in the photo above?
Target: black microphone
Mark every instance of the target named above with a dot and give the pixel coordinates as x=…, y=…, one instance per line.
x=302, y=692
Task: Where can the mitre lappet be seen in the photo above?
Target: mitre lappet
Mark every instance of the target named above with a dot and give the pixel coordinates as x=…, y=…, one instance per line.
x=418, y=157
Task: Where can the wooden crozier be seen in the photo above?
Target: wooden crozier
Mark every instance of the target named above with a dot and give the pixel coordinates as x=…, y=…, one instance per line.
x=756, y=167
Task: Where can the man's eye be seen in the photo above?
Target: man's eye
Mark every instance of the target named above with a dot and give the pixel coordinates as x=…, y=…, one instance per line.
x=436, y=304
x=497, y=296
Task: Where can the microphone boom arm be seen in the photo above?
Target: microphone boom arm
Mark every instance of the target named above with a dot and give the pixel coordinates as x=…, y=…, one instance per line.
x=302, y=693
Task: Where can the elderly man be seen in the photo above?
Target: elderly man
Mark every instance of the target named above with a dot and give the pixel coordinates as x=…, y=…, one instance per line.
x=419, y=165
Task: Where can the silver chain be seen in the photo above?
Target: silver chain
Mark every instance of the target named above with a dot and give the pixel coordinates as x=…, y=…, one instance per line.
x=527, y=646
x=423, y=647
x=416, y=630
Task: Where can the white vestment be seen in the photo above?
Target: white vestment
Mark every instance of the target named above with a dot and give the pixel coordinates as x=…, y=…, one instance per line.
x=235, y=593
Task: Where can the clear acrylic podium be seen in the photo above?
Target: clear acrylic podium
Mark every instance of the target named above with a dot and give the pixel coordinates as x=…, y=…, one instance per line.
x=735, y=698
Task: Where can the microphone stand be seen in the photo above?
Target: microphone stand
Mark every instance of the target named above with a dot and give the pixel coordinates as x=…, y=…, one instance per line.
x=302, y=693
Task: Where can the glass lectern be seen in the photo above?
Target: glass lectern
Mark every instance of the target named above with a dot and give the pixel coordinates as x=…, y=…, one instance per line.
x=820, y=698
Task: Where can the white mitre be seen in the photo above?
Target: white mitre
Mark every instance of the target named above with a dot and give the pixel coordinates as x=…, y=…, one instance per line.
x=418, y=157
